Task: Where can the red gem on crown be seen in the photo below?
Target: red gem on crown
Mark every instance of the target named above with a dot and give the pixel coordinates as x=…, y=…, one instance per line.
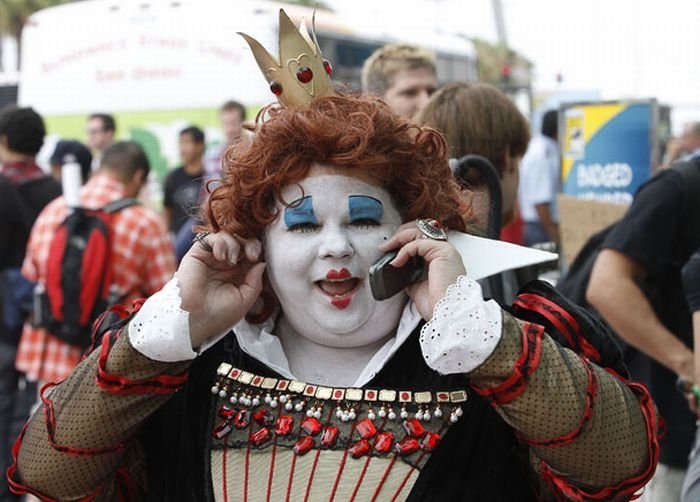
x=327, y=66
x=276, y=88
x=304, y=75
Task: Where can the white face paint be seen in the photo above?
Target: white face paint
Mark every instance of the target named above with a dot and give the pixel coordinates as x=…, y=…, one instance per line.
x=318, y=256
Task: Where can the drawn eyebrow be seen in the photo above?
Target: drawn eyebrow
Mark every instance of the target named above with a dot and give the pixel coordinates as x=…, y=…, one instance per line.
x=300, y=211
x=364, y=207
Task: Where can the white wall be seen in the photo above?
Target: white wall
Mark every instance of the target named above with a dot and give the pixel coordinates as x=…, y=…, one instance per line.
x=9, y=53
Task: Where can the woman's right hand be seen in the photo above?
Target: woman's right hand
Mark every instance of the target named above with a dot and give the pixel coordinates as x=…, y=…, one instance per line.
x=219, y=280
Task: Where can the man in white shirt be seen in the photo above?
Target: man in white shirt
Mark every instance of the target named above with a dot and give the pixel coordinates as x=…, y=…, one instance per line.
x=539, y=184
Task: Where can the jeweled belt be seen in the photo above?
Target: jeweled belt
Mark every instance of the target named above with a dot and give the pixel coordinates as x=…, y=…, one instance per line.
x=256, y=411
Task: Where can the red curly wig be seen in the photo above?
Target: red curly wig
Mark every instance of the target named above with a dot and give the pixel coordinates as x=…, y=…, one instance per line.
x=359, y=134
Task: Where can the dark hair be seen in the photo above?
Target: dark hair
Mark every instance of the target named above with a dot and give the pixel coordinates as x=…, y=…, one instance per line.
x=108, y=123
x=126, y=158
x=477, y=119
x=232, y=105
x=24, y=129
x=72, y=151
x=195, y=133
x=359, y=135
x=550, y=124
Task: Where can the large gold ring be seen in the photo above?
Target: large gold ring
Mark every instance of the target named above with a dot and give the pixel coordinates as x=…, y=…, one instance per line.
x=431, y=229
x=201, y=237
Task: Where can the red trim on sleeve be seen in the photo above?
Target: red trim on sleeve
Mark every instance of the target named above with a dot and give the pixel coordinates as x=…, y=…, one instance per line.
x=525, y=366
x=20, y=489
x=125, y=485
x=568, y=438
x=626, y=489
x=50, y=420
x=116, y=384
x=561, y=320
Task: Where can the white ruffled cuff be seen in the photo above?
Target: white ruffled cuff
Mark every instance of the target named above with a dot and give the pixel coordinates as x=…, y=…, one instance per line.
x=160, y=330
x=464, y=330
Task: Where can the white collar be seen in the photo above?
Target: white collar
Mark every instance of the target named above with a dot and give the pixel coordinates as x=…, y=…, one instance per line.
x=258, y=341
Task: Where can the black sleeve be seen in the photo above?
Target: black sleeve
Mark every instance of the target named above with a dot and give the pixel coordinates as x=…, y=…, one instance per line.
x=15, y=225
x=691, y=281
x=650, y=230
x=169, y=189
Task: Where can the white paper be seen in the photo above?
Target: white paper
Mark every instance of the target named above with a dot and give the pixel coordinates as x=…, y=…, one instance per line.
x=486, y=257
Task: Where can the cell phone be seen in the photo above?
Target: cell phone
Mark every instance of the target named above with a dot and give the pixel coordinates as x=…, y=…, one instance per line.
x=385, y=280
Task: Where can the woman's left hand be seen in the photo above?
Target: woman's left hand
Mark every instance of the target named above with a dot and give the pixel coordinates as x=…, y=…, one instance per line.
x=442, y=259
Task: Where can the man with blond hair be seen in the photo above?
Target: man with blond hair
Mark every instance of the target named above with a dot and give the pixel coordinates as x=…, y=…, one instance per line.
x=403, y=75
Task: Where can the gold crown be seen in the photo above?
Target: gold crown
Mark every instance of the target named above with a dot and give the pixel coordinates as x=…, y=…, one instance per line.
x=301, y=74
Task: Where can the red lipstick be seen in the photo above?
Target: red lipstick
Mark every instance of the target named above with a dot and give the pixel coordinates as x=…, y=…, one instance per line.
x=343, y=273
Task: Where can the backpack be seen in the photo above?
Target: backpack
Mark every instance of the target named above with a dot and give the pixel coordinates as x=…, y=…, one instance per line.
x=16, y=291
x=574, y=285
x=79, y=274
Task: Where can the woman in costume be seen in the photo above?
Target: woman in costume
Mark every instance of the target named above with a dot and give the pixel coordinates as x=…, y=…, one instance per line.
x=319, y=391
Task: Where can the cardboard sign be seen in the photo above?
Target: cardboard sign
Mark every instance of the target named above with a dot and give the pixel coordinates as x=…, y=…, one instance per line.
x=580, y=218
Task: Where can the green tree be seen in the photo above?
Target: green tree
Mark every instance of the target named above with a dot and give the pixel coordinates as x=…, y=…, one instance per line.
x=14, y=13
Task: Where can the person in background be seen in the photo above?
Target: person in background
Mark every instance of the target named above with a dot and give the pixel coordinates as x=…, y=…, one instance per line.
x=232, y=116
x=70, y=151
x=184, y=184
x=101, y=129
x=690, y=140
x=404, y=76
x=635, y=284
x=540, y=180
x=142, y=257
x=479, y=119
x=691, y=287
x=685, y=147
x=22, y=134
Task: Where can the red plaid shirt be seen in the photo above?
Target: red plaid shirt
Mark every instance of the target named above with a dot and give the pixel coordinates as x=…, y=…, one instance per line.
x=143, y=261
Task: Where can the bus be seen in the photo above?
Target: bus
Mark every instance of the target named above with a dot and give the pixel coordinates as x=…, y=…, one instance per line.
x=161, y=65
x=9, y=88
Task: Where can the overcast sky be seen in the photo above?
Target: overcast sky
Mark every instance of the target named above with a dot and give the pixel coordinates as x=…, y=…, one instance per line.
x=623, y=48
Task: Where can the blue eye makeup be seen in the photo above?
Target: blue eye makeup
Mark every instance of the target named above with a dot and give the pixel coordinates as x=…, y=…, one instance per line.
x=300, y=213
x=363, y=208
